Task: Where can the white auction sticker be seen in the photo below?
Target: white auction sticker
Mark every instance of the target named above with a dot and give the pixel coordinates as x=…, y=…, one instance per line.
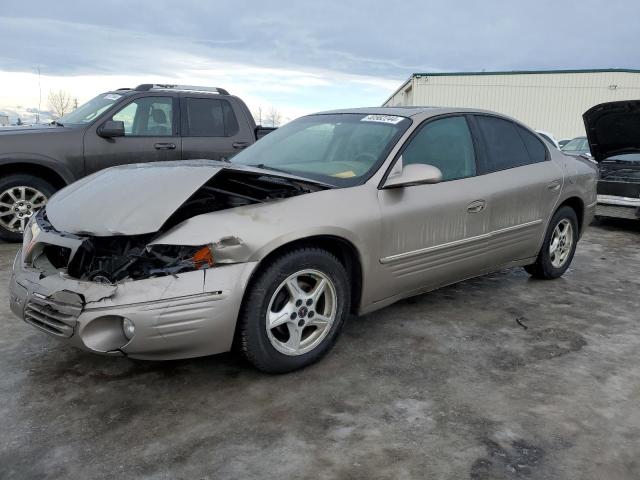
x=382, y=119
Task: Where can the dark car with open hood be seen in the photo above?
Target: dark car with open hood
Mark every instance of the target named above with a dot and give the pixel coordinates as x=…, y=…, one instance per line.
x=613, y=130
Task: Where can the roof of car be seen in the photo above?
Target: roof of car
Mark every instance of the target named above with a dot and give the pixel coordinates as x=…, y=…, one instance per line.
x=401, y=111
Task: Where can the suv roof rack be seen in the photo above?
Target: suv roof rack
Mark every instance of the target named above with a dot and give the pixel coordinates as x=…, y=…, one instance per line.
x=190, y=88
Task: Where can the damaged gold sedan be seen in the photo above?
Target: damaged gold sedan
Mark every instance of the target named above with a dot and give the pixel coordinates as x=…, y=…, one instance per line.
x=335, y=213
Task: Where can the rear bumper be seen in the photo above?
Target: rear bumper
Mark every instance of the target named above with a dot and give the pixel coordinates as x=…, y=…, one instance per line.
x=619, y=207
x=188, y=315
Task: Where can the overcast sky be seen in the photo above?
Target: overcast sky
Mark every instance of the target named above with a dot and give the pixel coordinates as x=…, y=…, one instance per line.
x=300, y=56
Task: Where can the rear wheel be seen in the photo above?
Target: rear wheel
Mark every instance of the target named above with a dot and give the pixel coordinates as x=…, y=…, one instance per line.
x=559, y=246
x=294, y=310
x=21, y=195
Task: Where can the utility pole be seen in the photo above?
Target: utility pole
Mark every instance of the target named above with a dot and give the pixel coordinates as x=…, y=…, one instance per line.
x=39, y=96
x=75, y=103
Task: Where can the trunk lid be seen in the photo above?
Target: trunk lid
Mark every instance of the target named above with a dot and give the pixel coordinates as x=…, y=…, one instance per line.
x=613, y=128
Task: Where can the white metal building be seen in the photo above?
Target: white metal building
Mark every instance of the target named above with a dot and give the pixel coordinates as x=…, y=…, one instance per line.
x=553, y=100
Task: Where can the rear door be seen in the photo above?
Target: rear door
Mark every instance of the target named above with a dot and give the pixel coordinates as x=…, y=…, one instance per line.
x=211, y=128
x=151, y=134
x=525, y=186
x=435, y=234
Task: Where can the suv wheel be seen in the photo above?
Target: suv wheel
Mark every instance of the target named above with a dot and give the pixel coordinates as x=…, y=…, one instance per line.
x=21, y=195
x=294, y=310
x=558, y=247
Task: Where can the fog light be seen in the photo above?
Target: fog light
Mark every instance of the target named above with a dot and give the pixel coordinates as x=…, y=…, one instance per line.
x=128, y=328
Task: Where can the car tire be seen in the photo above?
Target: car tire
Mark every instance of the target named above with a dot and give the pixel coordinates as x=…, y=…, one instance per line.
x=14, y=188
x=558, y=247
x=279, y=311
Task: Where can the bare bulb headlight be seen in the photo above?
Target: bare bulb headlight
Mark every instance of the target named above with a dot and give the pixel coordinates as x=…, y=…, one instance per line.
x=128, y=328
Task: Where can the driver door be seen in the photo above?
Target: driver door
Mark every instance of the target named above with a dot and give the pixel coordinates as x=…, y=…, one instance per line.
x=435, y=234
x=151, y=135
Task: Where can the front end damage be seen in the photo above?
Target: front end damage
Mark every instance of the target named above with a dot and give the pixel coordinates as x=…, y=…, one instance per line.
x=127, y=294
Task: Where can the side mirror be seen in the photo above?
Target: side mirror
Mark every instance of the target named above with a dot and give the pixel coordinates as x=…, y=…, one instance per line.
x=111, y=128
x=414, y=174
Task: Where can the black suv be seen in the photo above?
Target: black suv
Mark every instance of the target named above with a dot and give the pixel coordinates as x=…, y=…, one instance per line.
x=145, y=124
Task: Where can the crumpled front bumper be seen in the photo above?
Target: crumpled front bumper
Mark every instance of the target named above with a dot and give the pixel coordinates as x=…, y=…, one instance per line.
x=187, y=315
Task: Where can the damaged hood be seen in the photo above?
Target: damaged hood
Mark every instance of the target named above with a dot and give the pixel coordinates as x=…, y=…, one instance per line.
x=613, y=128
x=127, y=200
x=135, y=199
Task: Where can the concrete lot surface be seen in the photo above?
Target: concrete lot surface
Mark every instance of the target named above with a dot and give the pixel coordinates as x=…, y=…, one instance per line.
x=447, y=385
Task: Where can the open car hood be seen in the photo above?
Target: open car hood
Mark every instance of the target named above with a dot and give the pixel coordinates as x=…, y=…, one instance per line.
x=135, y=199
x=613, y=128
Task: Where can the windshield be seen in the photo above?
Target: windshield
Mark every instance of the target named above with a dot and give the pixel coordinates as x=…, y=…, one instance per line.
x=89, y=111
x=341, y=149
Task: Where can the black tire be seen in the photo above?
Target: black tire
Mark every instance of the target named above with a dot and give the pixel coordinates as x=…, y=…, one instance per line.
x=253, y=339
x=543, y=268
x=21, y=180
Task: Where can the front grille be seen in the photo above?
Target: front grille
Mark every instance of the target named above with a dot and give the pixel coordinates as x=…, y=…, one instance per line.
x=630, y=213
x=45, y=313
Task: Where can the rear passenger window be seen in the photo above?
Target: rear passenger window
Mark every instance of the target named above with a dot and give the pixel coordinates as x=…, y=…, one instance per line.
x=209, y=117
x=535, y=148
x=504, y=145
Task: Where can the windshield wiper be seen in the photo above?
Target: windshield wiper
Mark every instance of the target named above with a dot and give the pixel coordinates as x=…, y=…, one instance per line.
x=56, y=123
x=267, y=167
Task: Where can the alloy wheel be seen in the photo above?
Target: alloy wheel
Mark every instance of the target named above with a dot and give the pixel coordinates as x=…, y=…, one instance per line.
x=301, y=312
x=561, y=243
x=17, y=205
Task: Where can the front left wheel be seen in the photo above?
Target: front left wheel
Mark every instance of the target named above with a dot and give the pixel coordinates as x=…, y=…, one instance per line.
x=294, y=310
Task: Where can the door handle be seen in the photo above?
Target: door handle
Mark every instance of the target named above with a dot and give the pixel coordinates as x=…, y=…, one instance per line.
x=164, y=146
x=240, y=145
x=476, y=206
x=554, y=185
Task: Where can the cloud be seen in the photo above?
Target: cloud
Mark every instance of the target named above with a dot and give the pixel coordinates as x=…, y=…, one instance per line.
x=304, y=55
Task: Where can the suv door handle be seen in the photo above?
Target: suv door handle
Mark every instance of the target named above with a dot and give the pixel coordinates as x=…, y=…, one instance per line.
x=476, y=206
x=240, y=145
x=554, y=185
x=164, y=146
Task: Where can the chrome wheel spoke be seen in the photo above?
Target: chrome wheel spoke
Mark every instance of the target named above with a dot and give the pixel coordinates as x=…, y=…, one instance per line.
x=319, y=321
x=12, y=194
x=295, y=337
x=318, y=290
x=278, y=318
x=294, y=289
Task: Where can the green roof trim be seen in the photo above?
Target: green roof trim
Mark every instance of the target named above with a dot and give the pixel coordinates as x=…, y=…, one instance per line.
x=524, y=72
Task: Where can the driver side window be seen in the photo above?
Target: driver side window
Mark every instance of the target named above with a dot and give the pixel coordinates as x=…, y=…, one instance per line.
x=147, y=117
x=446, y=144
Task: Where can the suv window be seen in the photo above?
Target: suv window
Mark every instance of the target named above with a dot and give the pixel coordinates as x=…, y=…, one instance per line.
x=147, y=117
x=504, y=145
x=446, y=144
x=210, y=117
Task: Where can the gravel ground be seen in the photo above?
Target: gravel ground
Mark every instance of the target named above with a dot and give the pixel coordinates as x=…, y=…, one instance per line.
x=498, y=377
